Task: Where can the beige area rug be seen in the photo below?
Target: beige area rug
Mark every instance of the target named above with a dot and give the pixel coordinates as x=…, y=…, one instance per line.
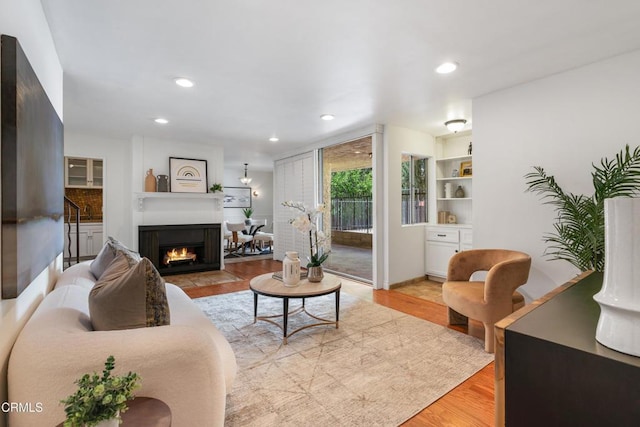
x=205, y=278
x=379, y=368
x=426, y=289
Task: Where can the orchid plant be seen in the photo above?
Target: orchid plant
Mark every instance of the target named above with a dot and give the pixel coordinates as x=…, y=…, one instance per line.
x=305, y=222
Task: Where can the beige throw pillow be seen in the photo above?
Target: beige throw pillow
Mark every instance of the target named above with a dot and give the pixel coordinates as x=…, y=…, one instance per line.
x=107, y=254
x=129, y=297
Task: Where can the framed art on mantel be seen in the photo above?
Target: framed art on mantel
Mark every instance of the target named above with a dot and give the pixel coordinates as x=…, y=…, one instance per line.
x=188, y=175
x=237, y=197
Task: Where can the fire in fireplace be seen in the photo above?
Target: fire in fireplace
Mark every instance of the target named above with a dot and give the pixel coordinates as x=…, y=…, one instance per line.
x=178, y=256
x=185, y=248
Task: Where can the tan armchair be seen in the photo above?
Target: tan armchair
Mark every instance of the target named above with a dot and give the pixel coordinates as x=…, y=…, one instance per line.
x=492, y=299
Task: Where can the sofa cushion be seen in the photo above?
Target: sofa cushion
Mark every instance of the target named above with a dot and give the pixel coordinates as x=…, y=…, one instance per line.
x=129, y=297
x=107, y=254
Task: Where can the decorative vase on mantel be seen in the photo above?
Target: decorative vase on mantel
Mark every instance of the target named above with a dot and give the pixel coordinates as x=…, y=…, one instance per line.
x=619, y=299
x=315, y=274
x=150, y=182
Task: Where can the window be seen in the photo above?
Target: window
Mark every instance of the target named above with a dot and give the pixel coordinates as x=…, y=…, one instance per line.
x=414, y=189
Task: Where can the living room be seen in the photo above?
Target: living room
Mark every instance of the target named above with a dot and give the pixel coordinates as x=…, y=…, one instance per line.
x=563, y=117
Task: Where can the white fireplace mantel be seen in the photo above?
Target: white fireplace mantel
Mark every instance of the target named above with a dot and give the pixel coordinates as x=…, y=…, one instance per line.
x=178, y=197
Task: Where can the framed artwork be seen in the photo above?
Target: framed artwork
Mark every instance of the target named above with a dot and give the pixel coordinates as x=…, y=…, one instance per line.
x=466, y=169
x=188, y=175
x=237, y=197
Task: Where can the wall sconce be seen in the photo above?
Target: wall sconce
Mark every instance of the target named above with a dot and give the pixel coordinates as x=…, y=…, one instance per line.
x=455, y=125
x=255, y=193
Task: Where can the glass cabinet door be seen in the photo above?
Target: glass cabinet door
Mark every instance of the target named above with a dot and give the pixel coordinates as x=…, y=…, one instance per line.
x=77, y=172
x=97, y=176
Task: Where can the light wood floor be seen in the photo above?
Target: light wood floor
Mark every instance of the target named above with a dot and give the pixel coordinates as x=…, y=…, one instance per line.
x=469, y=404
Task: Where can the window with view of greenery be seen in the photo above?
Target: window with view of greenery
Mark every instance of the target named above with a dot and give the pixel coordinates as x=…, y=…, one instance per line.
x=414, y=189
x=351, y=200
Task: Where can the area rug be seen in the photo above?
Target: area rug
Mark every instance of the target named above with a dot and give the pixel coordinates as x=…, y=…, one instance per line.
x=379, y=368
x=205, y=278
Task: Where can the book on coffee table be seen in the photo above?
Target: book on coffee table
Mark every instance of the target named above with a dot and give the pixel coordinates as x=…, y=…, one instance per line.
x=278, y=275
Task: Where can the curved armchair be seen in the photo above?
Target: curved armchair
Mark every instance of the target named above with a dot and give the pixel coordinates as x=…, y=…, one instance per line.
x=492, y=299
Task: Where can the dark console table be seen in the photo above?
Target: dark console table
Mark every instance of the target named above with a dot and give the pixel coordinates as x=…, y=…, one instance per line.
x=551, y=371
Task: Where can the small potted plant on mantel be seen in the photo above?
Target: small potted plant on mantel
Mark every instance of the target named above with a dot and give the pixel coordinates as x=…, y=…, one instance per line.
x=215, y=188
x=99, y=401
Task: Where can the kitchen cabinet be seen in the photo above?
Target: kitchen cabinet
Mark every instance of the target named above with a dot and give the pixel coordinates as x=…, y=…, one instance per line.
x=441, y=243
x=83, y=172
x=90, y=238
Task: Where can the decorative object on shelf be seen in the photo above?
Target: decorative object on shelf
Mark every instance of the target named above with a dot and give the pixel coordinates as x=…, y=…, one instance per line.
x=452, y=219
x=245, y=179
x=237, y=197
x=470, y=149
x=215, y=187
x=579, y=230
x=305, y=223
x=455, y=173
x=247, y=215
x=99, y=399
x=448, y=190
x=443, y=217
x=163, y=183
x=455, y=125
x=150, y=182
x=315, y=274
x=619, y=300
x=460, y=192
x=291, y=269
x=466, y=168
x=188, y=175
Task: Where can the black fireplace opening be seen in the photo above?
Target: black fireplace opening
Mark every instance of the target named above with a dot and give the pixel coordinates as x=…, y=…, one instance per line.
x=181, y=248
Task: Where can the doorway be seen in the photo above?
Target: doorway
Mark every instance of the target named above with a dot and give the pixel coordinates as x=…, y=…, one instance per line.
x=347, y=182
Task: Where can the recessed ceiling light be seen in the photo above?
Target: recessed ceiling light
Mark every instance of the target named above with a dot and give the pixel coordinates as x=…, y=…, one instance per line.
x=357, y=152
x=446, y=68
x=327, y=117
x=274, y=139
x=161, y=121
x=182, y=82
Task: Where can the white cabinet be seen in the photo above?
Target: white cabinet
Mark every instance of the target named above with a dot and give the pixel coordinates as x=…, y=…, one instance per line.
x=90, y=239
x=83, y=173
x=441, y=243
x=452, y=175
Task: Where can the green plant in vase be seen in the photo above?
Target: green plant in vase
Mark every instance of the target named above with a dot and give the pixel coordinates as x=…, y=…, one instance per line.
x=100, y=398
x=215, y=188
x=579, y=229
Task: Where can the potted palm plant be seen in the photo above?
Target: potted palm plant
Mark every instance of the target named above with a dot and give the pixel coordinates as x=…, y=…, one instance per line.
x=579, y=235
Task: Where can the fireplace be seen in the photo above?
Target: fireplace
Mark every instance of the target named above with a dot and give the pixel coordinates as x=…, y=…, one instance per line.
x=177, y=249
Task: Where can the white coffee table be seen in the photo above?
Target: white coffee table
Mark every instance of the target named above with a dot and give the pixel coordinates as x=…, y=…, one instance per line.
x=267, y=286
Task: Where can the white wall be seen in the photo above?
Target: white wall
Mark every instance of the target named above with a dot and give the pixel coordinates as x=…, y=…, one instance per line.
x=116, y=200
x=404, y=244
x=152, y=153
x=262, y=204
x=562, y=123
x=24, y=19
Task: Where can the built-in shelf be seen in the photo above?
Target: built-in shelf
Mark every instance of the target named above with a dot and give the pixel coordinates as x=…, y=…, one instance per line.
x=216, y=197
x=454, y=178
x=454, y=198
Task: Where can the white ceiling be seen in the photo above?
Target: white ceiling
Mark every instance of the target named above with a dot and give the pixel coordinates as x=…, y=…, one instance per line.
x=265, y=68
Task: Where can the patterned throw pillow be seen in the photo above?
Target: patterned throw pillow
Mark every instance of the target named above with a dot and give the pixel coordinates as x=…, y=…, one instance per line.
x=107, y=254
x=129, y=297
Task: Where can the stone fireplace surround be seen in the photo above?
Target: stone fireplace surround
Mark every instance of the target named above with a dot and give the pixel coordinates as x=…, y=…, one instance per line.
x=203, y=239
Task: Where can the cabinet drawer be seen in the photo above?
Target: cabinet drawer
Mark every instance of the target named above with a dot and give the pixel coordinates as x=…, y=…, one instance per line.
x=443, y=235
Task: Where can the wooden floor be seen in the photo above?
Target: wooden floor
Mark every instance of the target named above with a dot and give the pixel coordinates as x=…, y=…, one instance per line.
x=469, y=404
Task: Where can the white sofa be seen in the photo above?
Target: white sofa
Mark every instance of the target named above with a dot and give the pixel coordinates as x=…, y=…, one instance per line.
x=188, y=364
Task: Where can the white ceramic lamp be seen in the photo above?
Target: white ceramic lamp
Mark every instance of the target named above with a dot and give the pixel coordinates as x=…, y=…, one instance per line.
x=619, y=299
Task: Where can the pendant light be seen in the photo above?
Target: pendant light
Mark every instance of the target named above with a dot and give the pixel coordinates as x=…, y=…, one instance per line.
x=245, y=179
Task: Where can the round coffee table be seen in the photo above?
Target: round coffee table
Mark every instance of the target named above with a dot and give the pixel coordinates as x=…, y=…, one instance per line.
x=266, y=285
